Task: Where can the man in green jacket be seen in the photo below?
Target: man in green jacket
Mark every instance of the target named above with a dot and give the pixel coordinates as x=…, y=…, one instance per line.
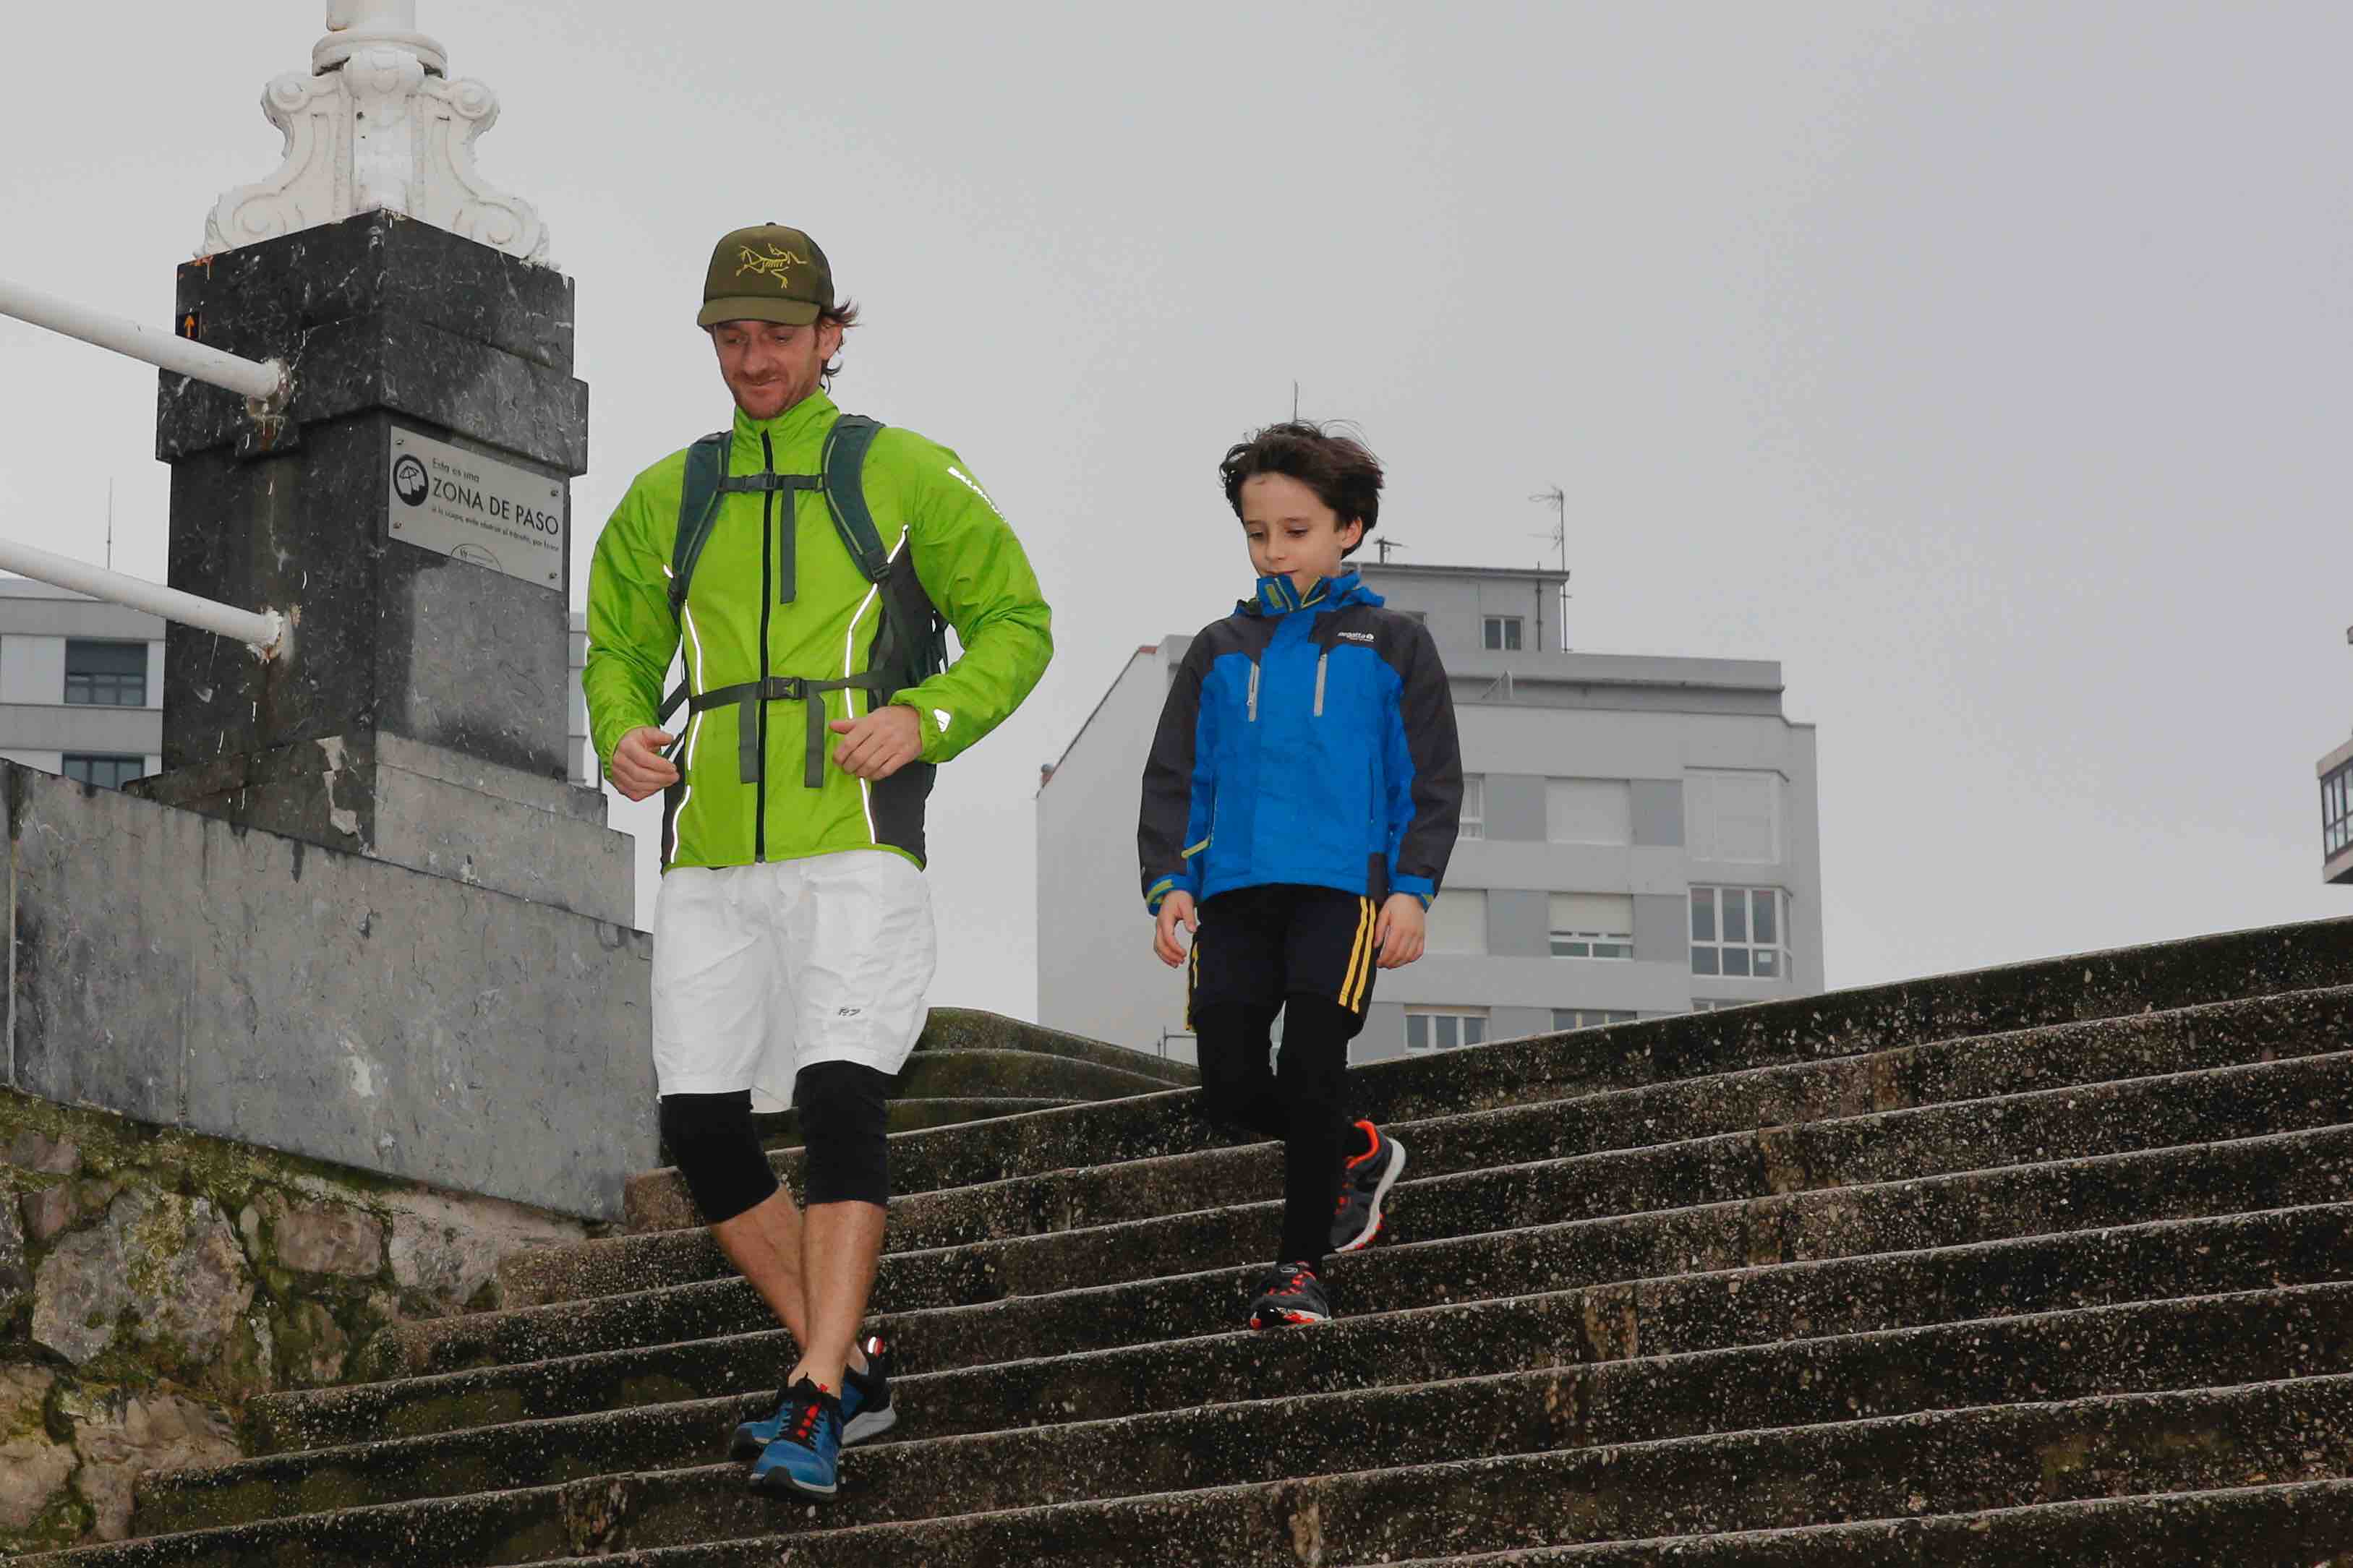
x=793, y=934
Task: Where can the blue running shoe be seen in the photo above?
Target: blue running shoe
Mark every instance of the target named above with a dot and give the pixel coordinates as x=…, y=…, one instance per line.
x=806, y=1457
x=865, y=1408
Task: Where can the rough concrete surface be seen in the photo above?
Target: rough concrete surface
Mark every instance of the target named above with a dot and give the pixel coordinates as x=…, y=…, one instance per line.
x=174, y=968
x=2045, y=1266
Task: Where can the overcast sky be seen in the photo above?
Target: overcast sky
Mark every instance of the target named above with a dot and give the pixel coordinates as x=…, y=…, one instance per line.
x=1985, y=364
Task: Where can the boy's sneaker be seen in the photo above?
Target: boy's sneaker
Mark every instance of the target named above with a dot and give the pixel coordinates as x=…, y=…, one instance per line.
x=1290, y=1293
x=806, y=1457
x=866, y=1409
x=1357, y=1221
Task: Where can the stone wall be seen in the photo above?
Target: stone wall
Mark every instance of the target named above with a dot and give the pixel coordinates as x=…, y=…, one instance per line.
x=185, y=971
x=153, y=1281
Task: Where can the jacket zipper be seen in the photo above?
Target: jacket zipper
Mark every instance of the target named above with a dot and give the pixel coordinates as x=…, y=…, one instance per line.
x=760, y=709
x=1321, y=660
x=1253, y=694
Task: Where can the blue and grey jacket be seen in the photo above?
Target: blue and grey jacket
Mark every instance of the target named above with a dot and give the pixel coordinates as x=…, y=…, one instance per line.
x=1307, y=740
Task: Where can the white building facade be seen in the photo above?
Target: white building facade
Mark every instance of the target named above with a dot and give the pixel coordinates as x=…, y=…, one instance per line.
x=1641, y=836
x=81, y=686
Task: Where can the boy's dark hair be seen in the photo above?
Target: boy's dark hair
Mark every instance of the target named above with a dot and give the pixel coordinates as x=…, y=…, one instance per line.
x=1340, y=469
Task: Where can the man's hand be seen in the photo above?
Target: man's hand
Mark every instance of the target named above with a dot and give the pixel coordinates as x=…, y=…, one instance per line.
x=879, y=744
x=1398, y=937
x=638, y=769
x=1175, y=910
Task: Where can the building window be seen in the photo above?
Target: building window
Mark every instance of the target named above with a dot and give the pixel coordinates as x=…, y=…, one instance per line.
x=1593, y=925
x=106, y=674
x=1589, y=1017
x=2337, y=812
x=1442, y=1028
x=104, y=770
x=1500, y=633
x=1588, y=811
x=1474, y=823
x=1732, y=816
x=1715, y=1005
x=1457, y=924
x=1740, y=931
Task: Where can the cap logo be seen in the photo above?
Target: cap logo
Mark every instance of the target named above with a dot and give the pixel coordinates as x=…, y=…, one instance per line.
x=772, y=264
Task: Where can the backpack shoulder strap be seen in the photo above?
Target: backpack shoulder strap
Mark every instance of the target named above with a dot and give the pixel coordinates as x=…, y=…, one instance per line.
x=845, y=492
x=698, y=500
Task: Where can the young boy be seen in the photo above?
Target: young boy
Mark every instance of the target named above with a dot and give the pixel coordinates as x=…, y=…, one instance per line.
x=1299, y=806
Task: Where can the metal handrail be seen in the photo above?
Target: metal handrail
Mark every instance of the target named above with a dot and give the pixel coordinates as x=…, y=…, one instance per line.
x=265, y=384
x=264, y=630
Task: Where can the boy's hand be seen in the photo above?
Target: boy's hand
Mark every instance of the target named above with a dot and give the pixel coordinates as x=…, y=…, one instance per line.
x=1175, y=910
x=1398, y=937
x=638, y=769
x=879, y=744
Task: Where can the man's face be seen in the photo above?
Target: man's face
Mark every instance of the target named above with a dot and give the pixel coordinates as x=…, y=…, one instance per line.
x=1293, y=534
x=768, y=366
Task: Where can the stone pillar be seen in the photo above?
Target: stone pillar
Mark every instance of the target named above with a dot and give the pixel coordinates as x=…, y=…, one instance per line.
x=411, y=508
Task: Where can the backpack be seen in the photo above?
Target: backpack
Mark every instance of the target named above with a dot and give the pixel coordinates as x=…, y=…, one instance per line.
x=912, y=647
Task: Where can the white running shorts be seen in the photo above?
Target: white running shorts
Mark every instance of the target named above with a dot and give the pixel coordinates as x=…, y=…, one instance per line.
x=761, y=970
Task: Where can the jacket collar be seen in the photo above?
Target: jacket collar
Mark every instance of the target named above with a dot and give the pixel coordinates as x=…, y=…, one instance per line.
x=1276, y=596
x=813, y=415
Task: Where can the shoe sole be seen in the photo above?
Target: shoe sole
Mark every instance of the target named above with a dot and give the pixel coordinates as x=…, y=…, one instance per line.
x=1371, y=1231
x=868, y=1424
x=789, y=1487
x=1287, y=1316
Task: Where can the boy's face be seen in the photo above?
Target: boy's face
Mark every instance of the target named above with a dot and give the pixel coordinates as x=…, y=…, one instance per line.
x=1291, y=533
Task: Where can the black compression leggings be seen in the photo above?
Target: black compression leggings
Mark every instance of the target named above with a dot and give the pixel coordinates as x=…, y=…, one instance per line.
x=1300, y=1100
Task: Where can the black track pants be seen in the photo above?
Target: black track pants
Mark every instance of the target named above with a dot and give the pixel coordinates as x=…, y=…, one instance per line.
x=1301, y=1100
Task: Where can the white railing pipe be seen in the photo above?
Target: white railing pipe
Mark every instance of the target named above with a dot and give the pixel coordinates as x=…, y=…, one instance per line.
x=264, y=629
x=264, y=383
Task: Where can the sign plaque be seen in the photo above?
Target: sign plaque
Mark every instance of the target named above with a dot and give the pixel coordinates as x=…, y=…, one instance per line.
x=476, y=509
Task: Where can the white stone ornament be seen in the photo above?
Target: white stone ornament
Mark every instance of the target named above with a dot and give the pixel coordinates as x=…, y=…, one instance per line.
x=377, y=125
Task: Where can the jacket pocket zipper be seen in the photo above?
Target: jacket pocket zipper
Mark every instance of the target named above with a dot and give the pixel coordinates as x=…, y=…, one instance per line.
x=1321, y=660
x=1253, y=694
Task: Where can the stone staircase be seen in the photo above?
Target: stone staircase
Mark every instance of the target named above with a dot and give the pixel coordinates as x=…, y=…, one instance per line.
x=970, y=1065
x=2048, y=1264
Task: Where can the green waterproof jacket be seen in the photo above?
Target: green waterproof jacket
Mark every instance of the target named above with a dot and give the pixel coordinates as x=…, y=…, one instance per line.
x=782, y=599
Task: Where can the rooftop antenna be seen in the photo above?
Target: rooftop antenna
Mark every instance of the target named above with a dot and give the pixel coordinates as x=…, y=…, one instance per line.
x=1385, y=545
x=110, y=525
x=1557, y=498
x=1294, y=400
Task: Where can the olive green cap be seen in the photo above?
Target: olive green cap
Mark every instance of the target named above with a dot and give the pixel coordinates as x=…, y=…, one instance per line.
x=768, y=273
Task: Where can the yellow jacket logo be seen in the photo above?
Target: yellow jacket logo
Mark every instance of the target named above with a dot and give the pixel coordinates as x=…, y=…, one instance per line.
x=772, y=264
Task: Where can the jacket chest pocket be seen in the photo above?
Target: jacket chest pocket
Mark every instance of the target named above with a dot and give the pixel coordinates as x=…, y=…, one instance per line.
x=1323, y=669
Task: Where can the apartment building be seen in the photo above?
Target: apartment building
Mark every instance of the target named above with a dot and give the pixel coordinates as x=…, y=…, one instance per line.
x=1640, y=838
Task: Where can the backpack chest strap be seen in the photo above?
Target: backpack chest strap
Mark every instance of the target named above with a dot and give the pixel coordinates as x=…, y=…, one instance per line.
x=750, y=697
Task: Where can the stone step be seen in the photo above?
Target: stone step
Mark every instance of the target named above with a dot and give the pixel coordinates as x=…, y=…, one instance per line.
x=1375, y=1397
x=1092, y=1353
x=2217, y=1103
x=2316, y=956
x=1970, y=1459
x=2188, y=1039
x=1975, y=1461
x=971, y=1029
x=782, y=1129
x=2305, y=1522
x=2274, y=1170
